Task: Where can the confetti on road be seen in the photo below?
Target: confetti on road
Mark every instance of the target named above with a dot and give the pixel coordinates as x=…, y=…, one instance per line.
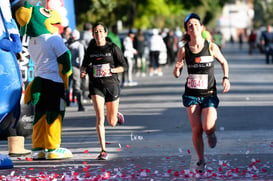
x=154, y=168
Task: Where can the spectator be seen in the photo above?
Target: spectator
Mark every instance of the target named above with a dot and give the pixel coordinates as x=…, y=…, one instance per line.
x=66, y=35
x=114, y=37
x=251, y=42
x=241, y=40
x=140, y=57
x=86, y=35
x=170, y=44
x=218, y=39
x=156, y=46
x=129, y=52
x=267, y=41
x=77, y=55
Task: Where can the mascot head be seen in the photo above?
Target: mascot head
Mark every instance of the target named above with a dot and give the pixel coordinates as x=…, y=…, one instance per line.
x=37, y=20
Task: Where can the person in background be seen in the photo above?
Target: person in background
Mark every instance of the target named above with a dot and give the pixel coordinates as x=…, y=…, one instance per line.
x=129, y=52
x=114, y=37
x=86, y=35
x=103, y=61
x=77, y=55
x=66, y=35
x=218, y=39
x=139, y=42
x=267, y=42
x=241, y=40
x=200, y=96
x=170, y=44
x=85, y=38
x=156, y=46
x=251, y=41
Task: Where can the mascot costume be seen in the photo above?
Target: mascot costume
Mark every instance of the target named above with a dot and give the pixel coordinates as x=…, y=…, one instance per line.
x=10, y=86
x=52, y=68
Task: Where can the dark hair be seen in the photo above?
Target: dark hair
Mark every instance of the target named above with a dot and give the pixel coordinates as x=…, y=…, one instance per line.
x=130, y=32
x=100, y=23
x=87, y=26
x=190, y=16
x=186, y=37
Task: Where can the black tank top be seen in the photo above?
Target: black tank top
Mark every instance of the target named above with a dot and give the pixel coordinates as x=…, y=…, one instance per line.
x=200, y=81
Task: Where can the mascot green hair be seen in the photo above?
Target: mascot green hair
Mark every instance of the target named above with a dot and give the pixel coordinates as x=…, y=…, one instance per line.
x=52, y=68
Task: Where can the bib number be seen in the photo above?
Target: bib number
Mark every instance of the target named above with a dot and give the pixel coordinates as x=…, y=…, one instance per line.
x=197, y=81
x=102, y=70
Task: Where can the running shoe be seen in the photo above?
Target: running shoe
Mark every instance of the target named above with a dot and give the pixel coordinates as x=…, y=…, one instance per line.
x=120, y=119
x=103, y=156
x=212, y=140
x=200, y=166
x=58, y=153
x=38, y=155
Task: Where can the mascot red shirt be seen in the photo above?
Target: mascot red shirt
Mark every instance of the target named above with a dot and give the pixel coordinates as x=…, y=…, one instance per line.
x=52, y=67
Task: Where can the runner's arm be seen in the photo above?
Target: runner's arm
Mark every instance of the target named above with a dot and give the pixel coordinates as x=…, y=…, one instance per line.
x=179, y=63
x=222, y=60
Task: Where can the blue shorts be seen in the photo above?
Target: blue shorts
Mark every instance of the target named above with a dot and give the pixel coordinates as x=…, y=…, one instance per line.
x=209, y=101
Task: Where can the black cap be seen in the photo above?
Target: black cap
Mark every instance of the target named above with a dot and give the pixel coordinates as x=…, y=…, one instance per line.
x=190, y=16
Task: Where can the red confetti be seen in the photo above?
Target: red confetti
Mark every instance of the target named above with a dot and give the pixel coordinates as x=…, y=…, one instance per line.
x=30, y=168
x=85, y=169
x=103, y=170
x=220, y=169
x=118, y=149
x=224, y=164
x=167, y=158
x=127, y=146
x=29, y=159
x=255, y=176
x=108, y=143
x=189, y=151
x=148, y=170
x=85, y=151
x=176, y=174
x=87, y=175
x=75, y=173
x=170, y=171
x=236, y=170
x=264, y=170
x=84, y=163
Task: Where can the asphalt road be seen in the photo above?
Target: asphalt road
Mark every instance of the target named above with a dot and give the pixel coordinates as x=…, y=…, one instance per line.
x=155, y=142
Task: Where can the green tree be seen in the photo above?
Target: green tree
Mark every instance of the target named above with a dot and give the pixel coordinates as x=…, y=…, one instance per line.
x=263, y=11
x=146, y=13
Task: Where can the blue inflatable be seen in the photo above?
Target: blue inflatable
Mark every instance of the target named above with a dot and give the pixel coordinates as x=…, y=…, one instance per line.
x=10, y=75
x=10, y=86
x=5, y=162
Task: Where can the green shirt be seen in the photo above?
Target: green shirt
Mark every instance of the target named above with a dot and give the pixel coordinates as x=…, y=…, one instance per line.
x=115, y=39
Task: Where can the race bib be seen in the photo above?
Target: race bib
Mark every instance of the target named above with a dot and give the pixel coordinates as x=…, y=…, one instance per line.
x=102, y=70
x=197, y=81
